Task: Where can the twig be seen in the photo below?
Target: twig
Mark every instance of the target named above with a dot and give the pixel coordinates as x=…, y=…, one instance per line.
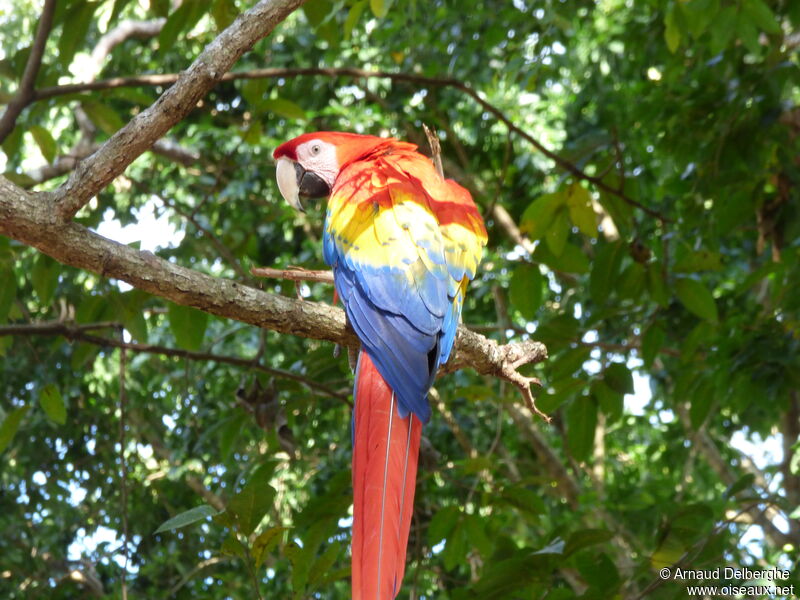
x=203, y=564
x=171, y=78
x=26, y=92
x=77, y=332
x=293, y=274
x=436, y=149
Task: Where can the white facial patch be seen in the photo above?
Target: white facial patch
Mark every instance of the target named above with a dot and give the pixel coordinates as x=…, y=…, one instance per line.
x=319, y=157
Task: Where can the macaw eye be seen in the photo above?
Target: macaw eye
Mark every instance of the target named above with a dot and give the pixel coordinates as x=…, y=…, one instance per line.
x=315, y=149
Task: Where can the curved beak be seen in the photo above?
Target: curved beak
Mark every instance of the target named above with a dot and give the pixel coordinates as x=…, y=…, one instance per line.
x=287, y=183
x=294, y=181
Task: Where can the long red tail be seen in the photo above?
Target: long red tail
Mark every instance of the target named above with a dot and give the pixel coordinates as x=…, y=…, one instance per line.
x=385, y=453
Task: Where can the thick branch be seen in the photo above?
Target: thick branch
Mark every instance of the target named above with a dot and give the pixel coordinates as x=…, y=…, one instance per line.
x=97, y=171
x=25, y=218
x=25, y=93
x=168, y=79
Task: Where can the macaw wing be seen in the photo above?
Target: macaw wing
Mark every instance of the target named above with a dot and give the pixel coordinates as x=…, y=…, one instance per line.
x=388, y=257
x=462, y=231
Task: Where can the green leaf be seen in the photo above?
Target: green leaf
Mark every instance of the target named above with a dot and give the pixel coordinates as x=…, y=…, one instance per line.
x=723, y=28
x=456, y=548
x=182, y=20
x=380, y=8
x=323, y=564
x=762, y=16
x=103, y=116
x=353, y=16
x=701, y=402
x=10, y=425
x=73, y=32
x=301, y=564
x=224, y=12
x=652, y=341
x=233, y=547
x=579, y=203
x=656, y=284
x=699, y=14
x=744, y=482
x=672, y=33
x=44, y=278
x=696, y=298
x=631, y=281
x=188, y=325
x=316, y=11
x=557, y=233
x=581, y=423
x=198, y=513
x=619, y=378
x=476, y=534
x=285, y=108
x=610, y=401
x=119, y=6
x=584, y=538
x=692, y=261
x=442, y=524
x=523, y=499
x=8, y=290
x=12, y=145
x=250, y=505
x=572, y=259
x=255, y=92
x=53, y=404
x=45, y=141
x=605, y=269
x=525, y=290
x=266, y=541
x=536, y=219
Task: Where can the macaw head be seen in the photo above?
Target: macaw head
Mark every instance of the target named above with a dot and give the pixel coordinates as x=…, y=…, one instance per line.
x=308, y=165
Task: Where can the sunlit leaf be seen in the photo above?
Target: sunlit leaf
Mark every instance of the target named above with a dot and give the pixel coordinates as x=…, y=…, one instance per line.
x=539, y=215
x=581, y=213
x=53, y=404
x=10, y=425
x=380, y=8
x=45, y=141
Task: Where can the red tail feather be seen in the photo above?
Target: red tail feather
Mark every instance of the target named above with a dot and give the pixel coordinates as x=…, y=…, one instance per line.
x=385, y=453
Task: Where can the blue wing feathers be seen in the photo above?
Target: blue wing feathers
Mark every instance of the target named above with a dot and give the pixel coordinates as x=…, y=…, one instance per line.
x=405, y=314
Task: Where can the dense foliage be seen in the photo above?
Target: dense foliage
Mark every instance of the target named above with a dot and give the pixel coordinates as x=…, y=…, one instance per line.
x=659, y=247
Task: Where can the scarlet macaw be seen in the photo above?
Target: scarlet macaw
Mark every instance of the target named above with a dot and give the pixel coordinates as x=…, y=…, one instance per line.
x=402, y=243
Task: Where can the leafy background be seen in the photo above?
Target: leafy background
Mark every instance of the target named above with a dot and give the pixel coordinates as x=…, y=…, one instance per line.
x=688, y=108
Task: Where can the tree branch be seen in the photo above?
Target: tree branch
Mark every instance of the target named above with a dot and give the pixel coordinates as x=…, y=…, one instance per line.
x=78, y=331
x=25, y=94
x=168, y=79
x=25, y=218
x=98, y=170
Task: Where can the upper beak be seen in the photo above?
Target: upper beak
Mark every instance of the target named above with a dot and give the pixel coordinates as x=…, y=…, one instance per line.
x=287, y=183
x=294, y=181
